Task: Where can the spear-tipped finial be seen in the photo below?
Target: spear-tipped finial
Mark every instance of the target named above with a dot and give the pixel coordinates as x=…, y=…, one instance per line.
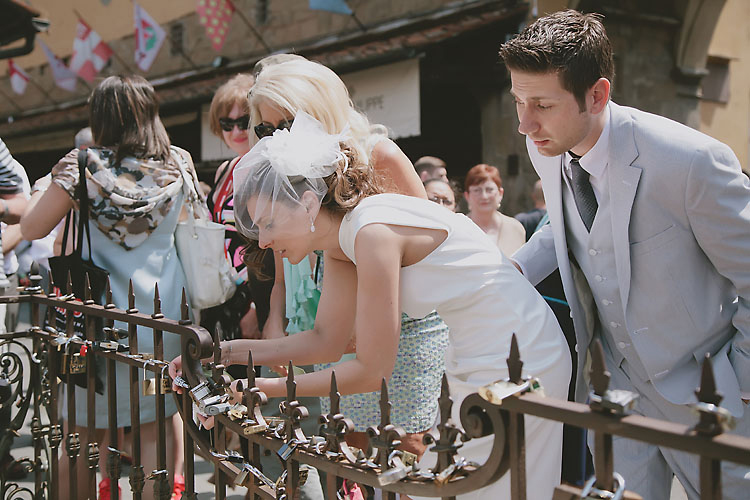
x=515, y=365
x=131, y=298
x=108, y=295
x=707, y=392
x=445, y=403
x=87, y=290
x=291, y=385
x=334, y=395
x=385, y=404
x=599, y=374
x=69, y=285
x=157, y=303
x=250, y=370
x=184, y=310
x=51, y=290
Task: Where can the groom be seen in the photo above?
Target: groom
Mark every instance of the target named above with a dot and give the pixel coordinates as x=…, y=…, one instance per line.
x=650, y=228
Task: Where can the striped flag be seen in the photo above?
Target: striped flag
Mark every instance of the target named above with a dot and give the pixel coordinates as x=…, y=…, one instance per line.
x=214, y=15
x=90, y=53
x=337, y=6
x=18, y=77
x=149, y=37
x=64, y=77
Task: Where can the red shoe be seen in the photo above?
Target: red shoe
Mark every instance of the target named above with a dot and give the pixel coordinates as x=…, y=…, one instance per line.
x=104, y=490
x=179, y=487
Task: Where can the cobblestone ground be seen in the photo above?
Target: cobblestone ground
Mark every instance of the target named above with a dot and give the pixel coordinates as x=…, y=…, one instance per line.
x=22, y=447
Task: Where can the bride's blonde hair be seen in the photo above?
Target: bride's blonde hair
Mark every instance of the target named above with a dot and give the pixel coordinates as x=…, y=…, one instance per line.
x=303, y=85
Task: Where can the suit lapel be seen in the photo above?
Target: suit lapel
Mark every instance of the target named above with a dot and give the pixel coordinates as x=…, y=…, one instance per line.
x=623, y=184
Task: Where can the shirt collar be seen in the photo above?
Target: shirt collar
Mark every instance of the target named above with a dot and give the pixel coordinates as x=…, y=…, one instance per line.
x=595, y=161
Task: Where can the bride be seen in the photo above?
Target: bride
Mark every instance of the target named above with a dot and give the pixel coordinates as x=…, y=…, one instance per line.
x=302, y=190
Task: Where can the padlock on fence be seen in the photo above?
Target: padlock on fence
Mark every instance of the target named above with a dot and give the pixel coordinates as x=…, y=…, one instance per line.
x=589, y=491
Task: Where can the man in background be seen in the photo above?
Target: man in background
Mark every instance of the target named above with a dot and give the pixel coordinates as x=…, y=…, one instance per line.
x=431, y=167
x=531, y=219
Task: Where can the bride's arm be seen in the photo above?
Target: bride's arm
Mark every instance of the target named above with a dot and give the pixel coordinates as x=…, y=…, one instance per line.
x=377, y=322
x=325, y=342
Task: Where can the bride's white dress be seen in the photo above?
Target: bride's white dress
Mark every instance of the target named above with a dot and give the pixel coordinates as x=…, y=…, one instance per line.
x=484, y=300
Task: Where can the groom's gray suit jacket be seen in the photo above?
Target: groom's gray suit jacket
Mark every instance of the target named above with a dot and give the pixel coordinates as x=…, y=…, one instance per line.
x=680, y=219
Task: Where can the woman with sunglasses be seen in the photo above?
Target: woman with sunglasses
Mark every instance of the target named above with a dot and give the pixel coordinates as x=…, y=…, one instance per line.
x=282, y=90
x=243, y=315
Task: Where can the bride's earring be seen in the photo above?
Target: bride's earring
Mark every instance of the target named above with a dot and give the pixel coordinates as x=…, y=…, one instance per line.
x=312, y=226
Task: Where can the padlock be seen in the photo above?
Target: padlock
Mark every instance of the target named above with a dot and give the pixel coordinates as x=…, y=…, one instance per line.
x=286, y=450
x=241, y=477
x=444, y=475
x=251, y=428
x=166, y=385
x=496, y=392
x=77, y=363
x=65, y=363
x=614, y=401
x=237, y=411
x=302, y=477
x=590, y=491
x=408, y=458
x=149, y=386
x=394, y=474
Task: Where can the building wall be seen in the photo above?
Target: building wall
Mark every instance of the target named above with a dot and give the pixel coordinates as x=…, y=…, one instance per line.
x=730, y=121
x=287, y=24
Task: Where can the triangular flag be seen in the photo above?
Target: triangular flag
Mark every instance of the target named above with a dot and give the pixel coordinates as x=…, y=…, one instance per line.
x=337, y=6
x=149, y=37
x=64, y=77
x=18, y=77
x=214, y=15
x=90, y=53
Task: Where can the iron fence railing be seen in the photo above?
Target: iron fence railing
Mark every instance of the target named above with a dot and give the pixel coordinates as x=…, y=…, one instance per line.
x=498, y=410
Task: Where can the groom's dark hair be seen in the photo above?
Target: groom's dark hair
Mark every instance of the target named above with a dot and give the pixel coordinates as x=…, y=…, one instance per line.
x=569, y=43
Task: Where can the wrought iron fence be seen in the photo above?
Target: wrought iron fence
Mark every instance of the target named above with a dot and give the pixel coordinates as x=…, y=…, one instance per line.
x=498, y=410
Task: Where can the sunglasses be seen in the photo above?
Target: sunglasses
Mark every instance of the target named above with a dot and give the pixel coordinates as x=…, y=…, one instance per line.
x=228, y=124
x=265, y=129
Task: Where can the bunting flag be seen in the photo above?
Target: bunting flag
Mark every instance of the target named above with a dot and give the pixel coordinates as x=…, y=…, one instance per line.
x=18, y=77
x=64, y=77
x=214, y=15
x=149, y=37
x=337, y=6
x=90, y=53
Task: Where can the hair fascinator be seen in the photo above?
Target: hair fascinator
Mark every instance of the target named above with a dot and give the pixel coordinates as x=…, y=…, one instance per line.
x=270, y=180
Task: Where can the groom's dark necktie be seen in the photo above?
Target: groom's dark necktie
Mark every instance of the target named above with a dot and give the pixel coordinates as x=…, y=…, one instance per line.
x=583, y=193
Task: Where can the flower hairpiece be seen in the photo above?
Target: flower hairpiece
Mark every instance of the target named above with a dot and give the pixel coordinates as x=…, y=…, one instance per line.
x=305, y=149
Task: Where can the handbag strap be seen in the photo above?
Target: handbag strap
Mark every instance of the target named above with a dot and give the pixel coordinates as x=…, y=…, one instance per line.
x=83, y=205
x=192, y=197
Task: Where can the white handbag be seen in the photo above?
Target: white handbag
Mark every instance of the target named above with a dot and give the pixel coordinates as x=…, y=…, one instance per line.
x=200, y=247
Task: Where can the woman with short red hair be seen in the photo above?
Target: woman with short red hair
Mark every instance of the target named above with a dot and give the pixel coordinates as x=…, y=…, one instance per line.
x=483, y=190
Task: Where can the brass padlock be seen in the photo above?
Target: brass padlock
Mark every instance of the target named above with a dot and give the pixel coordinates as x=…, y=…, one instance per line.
x=149, y=386
x=65, y=363
x=166, y=385
x=77, y=364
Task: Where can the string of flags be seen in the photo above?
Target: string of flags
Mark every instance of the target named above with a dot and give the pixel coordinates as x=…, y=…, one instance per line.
x=91, y=53
x=149, y=37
